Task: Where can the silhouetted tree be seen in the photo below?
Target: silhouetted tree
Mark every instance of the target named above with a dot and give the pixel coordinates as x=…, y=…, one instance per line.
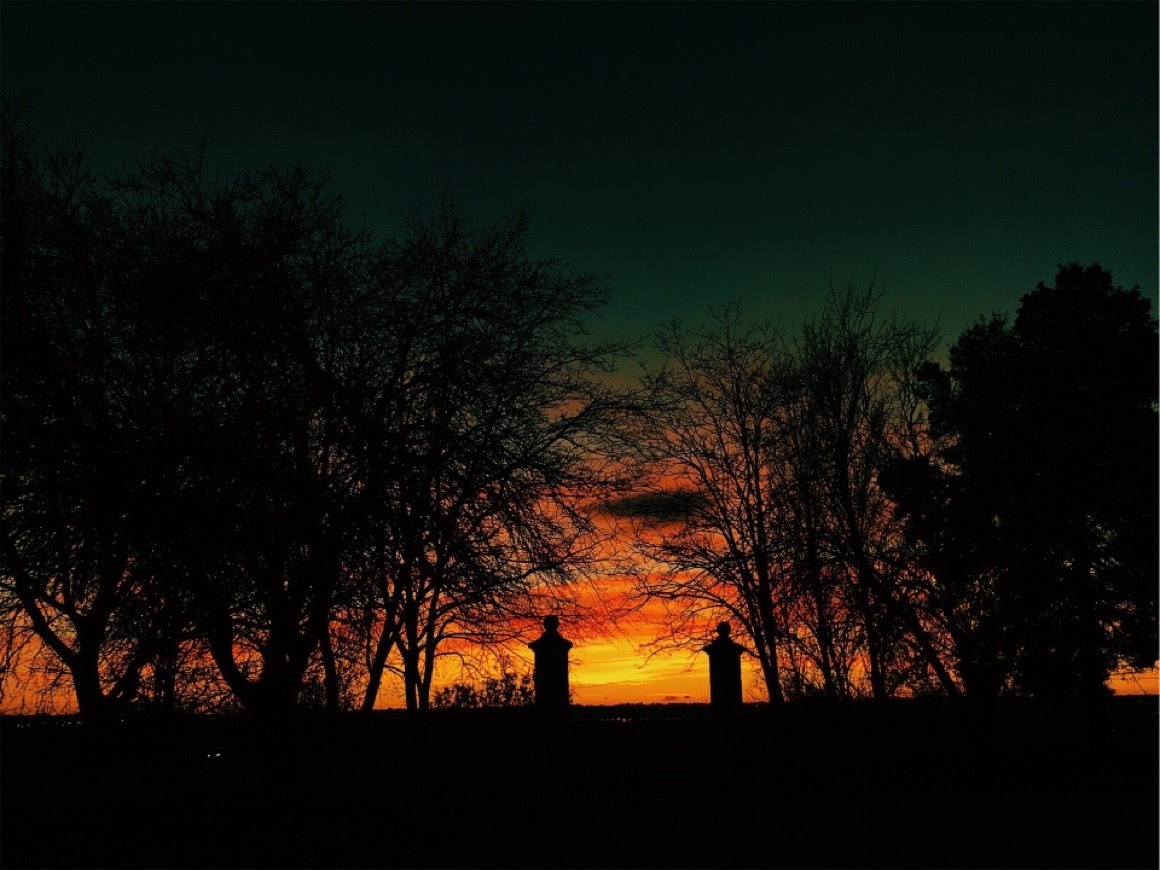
x=852, y=413
x=172, y=466
x=777, y=447
x=712, y=429
x=238, y=429
x=1037, y=510
x=265, y=499
x=80, y=463
x=486, y=424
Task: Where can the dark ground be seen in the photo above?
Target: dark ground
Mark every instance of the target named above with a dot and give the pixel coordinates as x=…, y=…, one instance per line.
x=908, y=784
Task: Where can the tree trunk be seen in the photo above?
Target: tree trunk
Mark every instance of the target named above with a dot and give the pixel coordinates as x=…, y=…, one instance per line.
x=824, y=633
x=411, y=679
x=92, y=704
x=330, y=675
x=378, y=665
x=769, y=666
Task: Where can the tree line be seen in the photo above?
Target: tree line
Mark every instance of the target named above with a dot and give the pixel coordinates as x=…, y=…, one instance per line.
x=880, y=524
x=257, y=457
x=254, y=454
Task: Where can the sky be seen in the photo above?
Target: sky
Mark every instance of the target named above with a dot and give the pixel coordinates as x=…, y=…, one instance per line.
x=689, y=153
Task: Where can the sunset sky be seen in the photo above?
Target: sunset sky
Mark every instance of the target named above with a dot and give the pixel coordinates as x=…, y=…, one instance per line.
x=691, y=153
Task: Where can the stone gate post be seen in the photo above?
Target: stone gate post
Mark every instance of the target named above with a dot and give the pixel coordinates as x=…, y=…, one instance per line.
x=550, y=675
x=724, y=669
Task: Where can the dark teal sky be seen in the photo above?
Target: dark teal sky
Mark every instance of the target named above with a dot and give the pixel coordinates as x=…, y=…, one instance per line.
x=692, y=152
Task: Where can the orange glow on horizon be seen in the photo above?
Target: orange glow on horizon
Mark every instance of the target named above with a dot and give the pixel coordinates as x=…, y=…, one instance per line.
x=1144, y=683
x=603, y=671
x=610, y=661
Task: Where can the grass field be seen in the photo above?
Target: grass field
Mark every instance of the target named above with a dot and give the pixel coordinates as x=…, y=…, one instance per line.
x=906, y=784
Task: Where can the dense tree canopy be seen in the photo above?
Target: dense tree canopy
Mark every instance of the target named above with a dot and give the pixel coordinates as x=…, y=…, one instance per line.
x=1037, y=510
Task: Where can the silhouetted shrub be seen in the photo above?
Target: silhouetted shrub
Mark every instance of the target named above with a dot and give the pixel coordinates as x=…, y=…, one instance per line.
x=509, y=690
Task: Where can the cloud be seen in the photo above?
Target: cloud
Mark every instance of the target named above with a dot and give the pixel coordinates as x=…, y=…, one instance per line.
x=660, y=507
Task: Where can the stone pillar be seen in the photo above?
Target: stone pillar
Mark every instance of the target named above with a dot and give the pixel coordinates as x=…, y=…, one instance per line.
x=551, y=670
x=724, y=669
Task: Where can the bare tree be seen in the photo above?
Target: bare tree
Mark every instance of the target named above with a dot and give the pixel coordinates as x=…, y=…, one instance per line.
x=856, y=414
x=173, y=467
x=773, y=449
x=487, y=428
x=270, y=481
x=78, y=561
x=712, y=431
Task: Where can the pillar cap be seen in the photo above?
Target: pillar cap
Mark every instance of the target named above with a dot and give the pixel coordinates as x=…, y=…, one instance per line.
x=723, y=643
x=551, y=639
